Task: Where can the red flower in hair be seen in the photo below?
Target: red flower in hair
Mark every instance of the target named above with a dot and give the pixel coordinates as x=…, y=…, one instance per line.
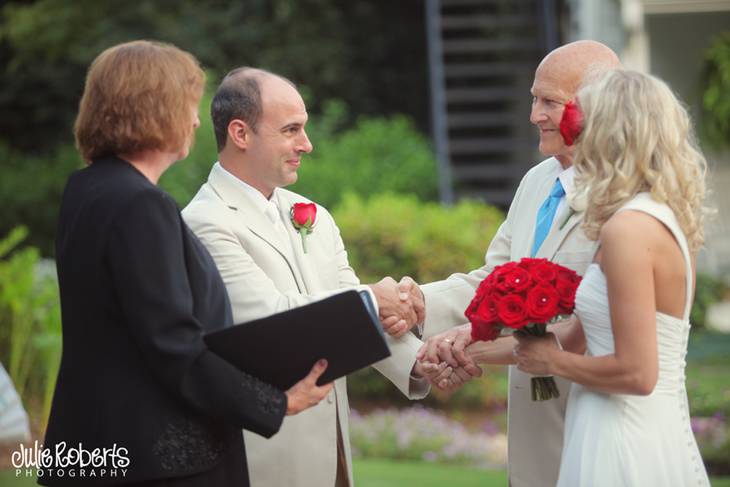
x=571, y=124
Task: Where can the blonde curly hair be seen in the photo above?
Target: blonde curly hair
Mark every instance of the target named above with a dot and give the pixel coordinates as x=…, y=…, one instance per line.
x=637, y=137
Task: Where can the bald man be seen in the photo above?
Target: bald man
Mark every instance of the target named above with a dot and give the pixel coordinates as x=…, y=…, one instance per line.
x=535, y=429
x=242, y=215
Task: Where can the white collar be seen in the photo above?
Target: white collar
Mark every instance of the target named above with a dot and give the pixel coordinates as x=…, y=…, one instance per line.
x=567, y=177
x=253, y=194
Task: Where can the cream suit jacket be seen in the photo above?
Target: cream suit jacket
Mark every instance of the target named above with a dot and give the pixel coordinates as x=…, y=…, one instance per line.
x=264, y=275
x=535, y=435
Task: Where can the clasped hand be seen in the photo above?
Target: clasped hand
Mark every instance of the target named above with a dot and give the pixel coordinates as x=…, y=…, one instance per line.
x=534, y=355
x=444, y=359
x=401, y=304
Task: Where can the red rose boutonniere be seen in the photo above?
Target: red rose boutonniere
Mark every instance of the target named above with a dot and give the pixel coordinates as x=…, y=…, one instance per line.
x=571, y=123
x=523, y=295
x=302, y=217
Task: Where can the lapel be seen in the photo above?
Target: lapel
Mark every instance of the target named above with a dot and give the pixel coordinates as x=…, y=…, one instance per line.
x=256, y=221
x=285, y=200
x=558, y=232
x=538, y=193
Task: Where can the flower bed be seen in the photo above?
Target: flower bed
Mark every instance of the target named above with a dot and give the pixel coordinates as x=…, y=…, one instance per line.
x=423, y=434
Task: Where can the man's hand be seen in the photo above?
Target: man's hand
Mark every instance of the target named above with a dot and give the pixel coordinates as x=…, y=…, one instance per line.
x=458, y=377
x=448, y=351
x=396, y=308
x=408, y=289
x=450, y=347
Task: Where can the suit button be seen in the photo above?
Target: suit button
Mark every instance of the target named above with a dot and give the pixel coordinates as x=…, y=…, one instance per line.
x=331, y=397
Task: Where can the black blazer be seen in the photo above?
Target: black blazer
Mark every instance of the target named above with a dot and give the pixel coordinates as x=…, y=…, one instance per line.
x=138, y=291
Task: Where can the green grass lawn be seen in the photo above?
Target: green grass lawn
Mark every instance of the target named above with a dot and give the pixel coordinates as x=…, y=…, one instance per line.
x=8, y=479
x=387, y=473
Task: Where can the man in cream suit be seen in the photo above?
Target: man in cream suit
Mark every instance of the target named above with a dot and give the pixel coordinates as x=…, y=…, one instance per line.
x=535, y=428
x=242, y=215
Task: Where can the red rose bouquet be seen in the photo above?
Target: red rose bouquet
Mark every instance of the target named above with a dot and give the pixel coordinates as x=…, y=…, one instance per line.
x=524, y=296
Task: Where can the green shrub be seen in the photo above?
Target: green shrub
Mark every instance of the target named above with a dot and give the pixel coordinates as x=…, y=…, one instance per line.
x=708, y=290
x=378, y=155
x=30, y=192
x=30, y=322
x=716, y=98
x=399, y=235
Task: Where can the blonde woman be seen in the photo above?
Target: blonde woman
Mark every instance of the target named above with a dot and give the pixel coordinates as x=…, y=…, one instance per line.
x=640, y=179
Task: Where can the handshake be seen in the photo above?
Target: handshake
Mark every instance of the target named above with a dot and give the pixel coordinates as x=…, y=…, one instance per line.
x=443, y=359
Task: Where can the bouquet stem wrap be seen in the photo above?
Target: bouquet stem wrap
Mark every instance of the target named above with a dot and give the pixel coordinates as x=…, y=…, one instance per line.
x=543, y=388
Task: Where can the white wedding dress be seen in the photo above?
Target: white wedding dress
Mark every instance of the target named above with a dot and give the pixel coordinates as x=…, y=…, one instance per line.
x=617, y=440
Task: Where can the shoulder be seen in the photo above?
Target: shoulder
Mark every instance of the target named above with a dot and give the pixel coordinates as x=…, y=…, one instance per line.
x=547, y=168
x=149, y=203
x=206, y=207
x=122, y=191
x=630, y=231
x=524, y=199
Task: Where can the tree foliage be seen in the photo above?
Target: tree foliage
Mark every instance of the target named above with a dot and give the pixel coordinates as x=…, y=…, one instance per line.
x=364, y=52
x=716, y=98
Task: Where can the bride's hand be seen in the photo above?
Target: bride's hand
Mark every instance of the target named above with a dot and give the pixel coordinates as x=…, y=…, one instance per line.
x=534, y=355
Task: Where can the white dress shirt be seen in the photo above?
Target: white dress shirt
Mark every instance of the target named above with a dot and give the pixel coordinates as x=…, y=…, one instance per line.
x=268, y=207
x=566, y=178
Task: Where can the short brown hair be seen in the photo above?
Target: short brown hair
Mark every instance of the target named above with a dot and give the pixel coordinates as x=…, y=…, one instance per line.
x=238, y=97
x=137, y=97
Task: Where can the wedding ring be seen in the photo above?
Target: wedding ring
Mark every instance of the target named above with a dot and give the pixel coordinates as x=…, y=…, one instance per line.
x=447, y=340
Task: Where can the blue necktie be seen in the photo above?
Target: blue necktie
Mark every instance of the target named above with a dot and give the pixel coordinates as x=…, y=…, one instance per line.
x=546, y=214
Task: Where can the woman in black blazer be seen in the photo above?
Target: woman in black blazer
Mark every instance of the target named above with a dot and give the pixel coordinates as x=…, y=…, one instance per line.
x=138, y=292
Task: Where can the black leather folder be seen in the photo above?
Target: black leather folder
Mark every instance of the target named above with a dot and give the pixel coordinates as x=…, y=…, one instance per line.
x=282, y=348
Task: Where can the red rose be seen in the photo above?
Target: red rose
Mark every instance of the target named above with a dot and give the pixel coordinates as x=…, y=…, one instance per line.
x=512, y=311
x=483, y=308
x=482, y=313
x=487, y=285
x=542, y=303
x=514, y=280
x=496, y=277
x=571, y=123
x=500, y=271
x=303, y=215
x=544, y=272
x=565, y=273
x=504, y=268
x=567, y=285
x=528, y=262
x=484, y=332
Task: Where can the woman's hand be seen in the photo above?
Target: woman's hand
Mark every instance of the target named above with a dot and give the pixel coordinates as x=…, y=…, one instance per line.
x=535, y=355
x=306, y=393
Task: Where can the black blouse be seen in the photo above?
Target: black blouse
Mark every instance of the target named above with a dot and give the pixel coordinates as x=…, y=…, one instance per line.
x=138, y=292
